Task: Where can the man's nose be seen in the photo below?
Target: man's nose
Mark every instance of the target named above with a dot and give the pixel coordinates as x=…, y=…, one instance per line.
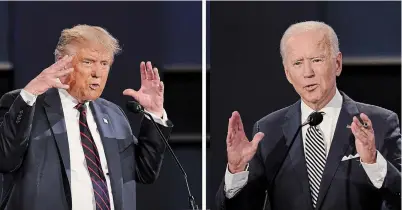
x=308, y=71
x=96, y=72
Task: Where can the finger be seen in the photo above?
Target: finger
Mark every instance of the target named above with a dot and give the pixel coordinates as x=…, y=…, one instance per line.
x=62, y=73
x=239, y=123
x=61, y=85
x=356, y=129
x=361, y=123
x=132, y=93
x=359, y=135
x=161, y=87
x=229, y=139
x=257, y=138
x=232, y=123
x=156, y=74
x=360, y=128
x=53, y=67
x=366, y=119
x=60, y=64
x=143, y=71
x=150, y=74
x=357, y=121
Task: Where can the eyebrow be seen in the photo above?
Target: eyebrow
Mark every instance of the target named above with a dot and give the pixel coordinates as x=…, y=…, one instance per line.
x=309, y=58
x=88, y=59
x=318, y=56
x=93, y=60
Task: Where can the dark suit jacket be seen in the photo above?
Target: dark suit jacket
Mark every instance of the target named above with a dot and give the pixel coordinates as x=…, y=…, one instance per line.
x=345, y=184
x=35, y=158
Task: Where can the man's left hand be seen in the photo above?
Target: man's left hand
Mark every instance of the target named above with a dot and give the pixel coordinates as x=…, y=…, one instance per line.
x=364, y=139
x=150, y=95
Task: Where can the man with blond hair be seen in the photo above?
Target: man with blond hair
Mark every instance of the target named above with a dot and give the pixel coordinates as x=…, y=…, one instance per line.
x=349, y=161
x=64, y=147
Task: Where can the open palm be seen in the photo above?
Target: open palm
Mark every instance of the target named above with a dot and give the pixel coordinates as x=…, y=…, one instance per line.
x=150, y=95
x=240, y=150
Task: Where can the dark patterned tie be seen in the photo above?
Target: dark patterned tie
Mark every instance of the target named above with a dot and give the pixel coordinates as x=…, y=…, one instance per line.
x=93, y=162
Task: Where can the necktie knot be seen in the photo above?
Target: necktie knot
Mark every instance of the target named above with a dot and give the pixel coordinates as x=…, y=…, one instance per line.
x=80, y=107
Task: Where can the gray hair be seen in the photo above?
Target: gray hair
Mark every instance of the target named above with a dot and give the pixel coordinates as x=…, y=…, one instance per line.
x=86, y=33
x=308, y=26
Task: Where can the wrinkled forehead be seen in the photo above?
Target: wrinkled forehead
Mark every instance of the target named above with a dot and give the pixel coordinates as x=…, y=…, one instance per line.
x=307, y=44
x=90, y=49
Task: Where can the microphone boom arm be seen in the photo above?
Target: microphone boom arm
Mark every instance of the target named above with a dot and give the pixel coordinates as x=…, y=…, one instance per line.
x=314, y=119
x=192, y=203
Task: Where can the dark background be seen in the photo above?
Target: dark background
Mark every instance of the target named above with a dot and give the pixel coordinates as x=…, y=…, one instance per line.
x=166, y=33
x=246, y=68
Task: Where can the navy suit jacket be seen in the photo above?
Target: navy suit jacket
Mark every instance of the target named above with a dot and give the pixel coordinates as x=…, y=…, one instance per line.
x=35, y=160
x=344, y=186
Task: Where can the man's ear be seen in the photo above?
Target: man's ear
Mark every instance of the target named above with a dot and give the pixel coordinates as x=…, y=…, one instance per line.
x=338, y=63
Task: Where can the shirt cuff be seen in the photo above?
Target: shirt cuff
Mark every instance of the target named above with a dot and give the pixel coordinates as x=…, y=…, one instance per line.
x=376, y=171
x=235, y=182
x=29, y=98
x=159, y=120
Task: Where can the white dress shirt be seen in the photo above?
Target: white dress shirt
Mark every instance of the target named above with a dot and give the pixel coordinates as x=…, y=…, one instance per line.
x=376, y=172
x=81, y=184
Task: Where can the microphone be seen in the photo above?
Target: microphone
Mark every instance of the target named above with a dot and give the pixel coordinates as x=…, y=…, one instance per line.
x=313, y=119
x=135, y=107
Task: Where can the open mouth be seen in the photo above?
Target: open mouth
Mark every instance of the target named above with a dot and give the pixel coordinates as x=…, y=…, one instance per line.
x=311, y=87
x=94, y=86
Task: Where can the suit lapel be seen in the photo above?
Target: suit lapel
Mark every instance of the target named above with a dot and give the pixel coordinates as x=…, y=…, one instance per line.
x=55, y=116
x=105, y=126
x=291, y=124
x=342, y=143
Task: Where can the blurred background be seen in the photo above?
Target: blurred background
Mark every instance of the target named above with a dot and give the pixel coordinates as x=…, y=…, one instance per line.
x=166, y=33
x=246, y=68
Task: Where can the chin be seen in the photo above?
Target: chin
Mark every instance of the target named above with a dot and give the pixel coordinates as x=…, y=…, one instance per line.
x=92, y=95
x=313, y=97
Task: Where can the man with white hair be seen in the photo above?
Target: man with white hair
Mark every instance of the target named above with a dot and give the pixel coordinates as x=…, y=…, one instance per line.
x=349, y=161
x=63, y=147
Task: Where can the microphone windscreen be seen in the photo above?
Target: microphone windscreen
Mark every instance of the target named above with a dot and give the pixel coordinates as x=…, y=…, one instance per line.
x=133, y=106
x=315, y=118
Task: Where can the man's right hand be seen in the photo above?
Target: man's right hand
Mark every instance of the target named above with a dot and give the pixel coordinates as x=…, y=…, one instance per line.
x=240, y=150
x=48, y=78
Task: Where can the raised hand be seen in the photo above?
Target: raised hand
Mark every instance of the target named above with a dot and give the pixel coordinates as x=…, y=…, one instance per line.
x=364, y=139
x=150, y=95
x=240, y=150
x=49, y=78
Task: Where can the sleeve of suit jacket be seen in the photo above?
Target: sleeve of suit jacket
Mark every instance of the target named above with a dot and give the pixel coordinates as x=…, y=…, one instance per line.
x=252, y=195
x=149, y=150
x=391, y=150
x=15, y=128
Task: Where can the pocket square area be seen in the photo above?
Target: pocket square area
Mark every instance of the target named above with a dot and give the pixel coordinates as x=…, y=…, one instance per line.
x=350, y=157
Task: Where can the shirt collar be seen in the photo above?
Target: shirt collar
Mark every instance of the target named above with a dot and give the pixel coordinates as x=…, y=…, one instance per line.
x=68, y=99
x=329, y=109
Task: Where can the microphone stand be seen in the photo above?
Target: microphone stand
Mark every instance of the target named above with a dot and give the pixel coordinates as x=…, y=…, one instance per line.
x=191, y=199
x=283, y=160
x=313, y=119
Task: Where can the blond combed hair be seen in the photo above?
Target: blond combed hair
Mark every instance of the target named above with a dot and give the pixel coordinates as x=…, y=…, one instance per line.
x=310, y=26
x=80, y=34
